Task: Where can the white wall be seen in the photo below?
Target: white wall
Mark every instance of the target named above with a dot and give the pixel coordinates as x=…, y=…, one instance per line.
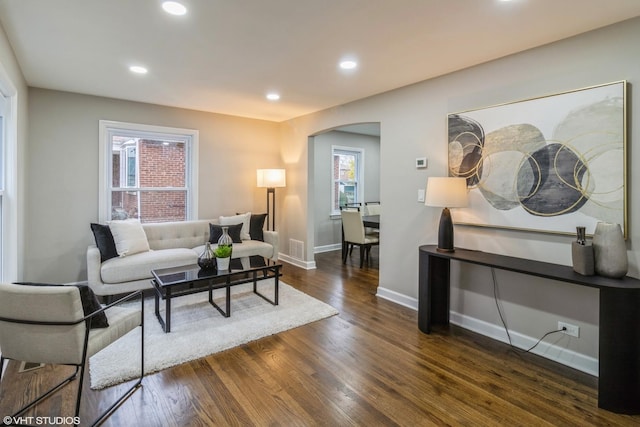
x=413, y=124
x=12, y=84
x=62, y=162
x=327, y=229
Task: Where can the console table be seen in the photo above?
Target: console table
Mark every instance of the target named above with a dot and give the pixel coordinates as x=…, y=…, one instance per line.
x=619, y=332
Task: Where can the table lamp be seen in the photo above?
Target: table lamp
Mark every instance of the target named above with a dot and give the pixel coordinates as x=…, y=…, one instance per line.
x=446, y=192
x=271, y=178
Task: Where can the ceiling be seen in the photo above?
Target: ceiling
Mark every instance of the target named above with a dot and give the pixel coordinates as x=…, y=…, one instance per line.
x=223, y=56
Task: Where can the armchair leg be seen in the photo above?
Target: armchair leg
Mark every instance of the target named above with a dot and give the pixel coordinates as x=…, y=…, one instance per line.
x=137, y=384
x=43, y=396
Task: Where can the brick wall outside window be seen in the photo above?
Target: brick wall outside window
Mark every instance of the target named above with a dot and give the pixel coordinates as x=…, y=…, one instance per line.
x=159, y=165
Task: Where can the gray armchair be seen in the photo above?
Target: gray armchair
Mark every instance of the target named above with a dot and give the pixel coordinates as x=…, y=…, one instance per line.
x=47, y=324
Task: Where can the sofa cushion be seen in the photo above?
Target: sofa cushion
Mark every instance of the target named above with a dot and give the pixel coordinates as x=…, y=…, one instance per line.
x=138, y=266
x=104, y=241
x=215, y=232
x=238, y=219
x=244, y=249
x=256, y=226
x=177, y=234
x=129, y=237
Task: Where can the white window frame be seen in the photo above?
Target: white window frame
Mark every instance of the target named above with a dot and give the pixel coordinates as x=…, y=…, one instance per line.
x=9, y=241
x=108, y=128
x=359, y=180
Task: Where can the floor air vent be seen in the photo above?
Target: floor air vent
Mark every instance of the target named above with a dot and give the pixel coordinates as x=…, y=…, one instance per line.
x=296, y=249
x=29, y=366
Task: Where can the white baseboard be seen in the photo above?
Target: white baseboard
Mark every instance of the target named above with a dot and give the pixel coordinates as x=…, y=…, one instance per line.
x=549, y=351
x=327, y=248
x=398, y=298
x=307, y=265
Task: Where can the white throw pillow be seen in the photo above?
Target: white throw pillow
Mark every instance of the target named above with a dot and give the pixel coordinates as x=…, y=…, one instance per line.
x=129, y=237
x=238, y=219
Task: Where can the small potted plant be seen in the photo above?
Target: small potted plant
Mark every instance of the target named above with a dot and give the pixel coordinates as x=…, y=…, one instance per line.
x=223, y=256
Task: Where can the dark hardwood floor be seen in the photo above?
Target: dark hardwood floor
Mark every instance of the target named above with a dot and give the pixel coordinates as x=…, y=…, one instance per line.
x=370, y=365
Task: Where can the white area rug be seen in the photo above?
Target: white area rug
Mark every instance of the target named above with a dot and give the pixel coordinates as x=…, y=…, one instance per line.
x=198, y=329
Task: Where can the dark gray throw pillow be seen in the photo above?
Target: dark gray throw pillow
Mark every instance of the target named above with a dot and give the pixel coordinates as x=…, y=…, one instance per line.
x=215, y=231
x=104, y=241
x=90, y=303
x=256, y=226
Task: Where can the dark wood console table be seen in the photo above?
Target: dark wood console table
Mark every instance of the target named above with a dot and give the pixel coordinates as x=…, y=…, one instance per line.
x=619, y=336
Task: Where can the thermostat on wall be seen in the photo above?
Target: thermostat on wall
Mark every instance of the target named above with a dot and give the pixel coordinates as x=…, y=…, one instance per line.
x=421, y=162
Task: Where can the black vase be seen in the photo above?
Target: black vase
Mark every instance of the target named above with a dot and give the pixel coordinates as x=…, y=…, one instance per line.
x=206, y=260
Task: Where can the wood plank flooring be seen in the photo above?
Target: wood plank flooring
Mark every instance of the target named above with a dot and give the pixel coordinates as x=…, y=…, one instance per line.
x=370, y=365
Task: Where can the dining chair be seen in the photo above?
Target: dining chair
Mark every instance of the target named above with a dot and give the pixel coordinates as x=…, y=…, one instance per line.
x=372, y=208
x=48, y=324
x=352, y=207
x=354, y=234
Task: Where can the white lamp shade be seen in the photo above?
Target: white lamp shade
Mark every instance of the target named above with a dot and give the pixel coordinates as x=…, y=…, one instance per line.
x=271, y=178
x=446, y=192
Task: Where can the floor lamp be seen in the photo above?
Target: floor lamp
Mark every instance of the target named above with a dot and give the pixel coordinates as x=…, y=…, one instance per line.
x=446, y=192
x=270, y=179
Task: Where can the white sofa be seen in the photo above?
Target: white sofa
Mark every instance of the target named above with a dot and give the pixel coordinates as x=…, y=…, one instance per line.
x=172, y=244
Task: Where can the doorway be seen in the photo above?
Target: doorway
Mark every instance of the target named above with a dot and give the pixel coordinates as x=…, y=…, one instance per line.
x=324, y=215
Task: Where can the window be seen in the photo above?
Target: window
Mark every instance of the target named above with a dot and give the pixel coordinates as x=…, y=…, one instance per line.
x=348, y=167
x=147, y=172
x=4, y=109
x=8, y=179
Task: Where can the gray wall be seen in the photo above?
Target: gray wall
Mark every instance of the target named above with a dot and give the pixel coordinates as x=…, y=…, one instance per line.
x=62, y=160
x=413, y=124
x=327, y=229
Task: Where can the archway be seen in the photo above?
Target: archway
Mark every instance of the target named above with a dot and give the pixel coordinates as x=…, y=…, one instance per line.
x=324, y=227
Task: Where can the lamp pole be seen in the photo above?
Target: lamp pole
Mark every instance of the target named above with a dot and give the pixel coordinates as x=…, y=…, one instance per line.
x=271, y=211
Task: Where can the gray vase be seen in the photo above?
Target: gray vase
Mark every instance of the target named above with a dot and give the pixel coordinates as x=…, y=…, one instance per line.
x=610, y=251
x=582, y=258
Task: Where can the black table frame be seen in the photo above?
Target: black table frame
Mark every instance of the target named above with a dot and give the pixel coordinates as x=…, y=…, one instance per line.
x=215, y=279
x=619, y=332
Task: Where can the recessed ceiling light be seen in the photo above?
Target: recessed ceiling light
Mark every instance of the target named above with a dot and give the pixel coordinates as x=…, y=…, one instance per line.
x=174, y=8
x=348, y=64
x=273, y=96
x=138, y=69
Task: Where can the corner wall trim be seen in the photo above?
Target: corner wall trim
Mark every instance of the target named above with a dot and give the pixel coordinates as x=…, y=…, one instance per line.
x=327, y=248
x=398, y=298
x=307, y=265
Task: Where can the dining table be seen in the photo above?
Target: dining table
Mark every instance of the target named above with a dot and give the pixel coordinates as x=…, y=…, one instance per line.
x=372, y=221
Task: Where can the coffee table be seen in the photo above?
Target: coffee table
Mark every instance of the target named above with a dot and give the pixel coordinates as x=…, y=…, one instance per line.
x=170, y=283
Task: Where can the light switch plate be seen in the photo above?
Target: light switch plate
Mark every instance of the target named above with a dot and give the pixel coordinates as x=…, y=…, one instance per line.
x=421, y=195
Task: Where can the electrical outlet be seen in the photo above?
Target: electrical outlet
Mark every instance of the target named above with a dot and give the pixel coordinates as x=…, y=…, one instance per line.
x=572, y=330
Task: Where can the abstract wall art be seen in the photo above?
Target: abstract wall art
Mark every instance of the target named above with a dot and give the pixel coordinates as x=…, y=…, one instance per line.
x=546, y=164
